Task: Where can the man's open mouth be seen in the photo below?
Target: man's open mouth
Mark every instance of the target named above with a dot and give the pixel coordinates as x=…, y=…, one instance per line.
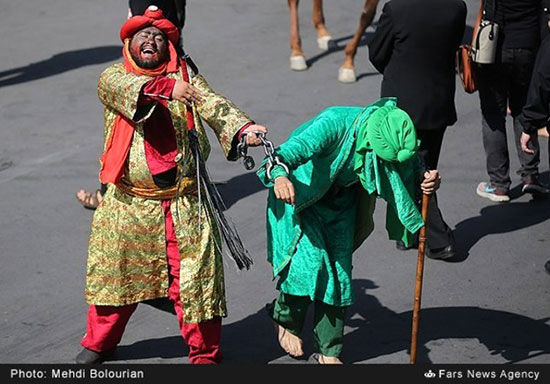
x=148, y=52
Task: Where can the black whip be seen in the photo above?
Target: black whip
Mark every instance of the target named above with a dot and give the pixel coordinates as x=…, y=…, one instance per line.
x=214, y=202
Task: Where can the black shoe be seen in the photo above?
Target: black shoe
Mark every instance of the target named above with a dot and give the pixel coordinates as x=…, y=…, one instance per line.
x=447, y=252
x=547, y=267
x=87, y=356
x=402, y=247
x=532, y=185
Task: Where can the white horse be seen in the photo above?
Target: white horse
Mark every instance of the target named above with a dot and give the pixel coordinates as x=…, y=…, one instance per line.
x=346, y=73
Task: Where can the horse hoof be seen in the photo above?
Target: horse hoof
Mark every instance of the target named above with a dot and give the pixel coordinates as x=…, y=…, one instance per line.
x=298, y=63
x=346, y=75
x=325, y=43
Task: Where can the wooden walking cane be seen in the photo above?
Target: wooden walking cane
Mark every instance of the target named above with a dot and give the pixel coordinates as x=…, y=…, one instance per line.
x=419, y=276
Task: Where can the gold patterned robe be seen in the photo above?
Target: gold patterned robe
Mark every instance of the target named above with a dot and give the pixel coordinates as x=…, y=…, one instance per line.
x=127, y=252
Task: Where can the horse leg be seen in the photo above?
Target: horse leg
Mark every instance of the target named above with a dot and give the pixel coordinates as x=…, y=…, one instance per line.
x=346, y=73
x=297, y=59
x=367, y=16
x=295, y=40
x=323, y=35
x=319, y=19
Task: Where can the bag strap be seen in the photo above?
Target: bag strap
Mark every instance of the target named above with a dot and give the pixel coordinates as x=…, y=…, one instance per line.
x=478, y=21
x=459, y=63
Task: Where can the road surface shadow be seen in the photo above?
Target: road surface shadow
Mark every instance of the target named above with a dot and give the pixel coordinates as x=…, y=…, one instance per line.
x=380, y=331
x=375, y=331
x=366, y=74
x=498, y=218
x=59, y=63
x=338, y=45
x=239, y=187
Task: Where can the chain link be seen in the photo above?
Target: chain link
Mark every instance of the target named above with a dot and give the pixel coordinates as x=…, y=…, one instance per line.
x=269, y=149
x=242, y=150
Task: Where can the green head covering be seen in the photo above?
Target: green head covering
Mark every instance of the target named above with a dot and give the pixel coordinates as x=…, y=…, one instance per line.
x=389, y=132
x=386, y=164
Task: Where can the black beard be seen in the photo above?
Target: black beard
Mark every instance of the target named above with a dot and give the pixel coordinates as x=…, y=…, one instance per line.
x=147, y=64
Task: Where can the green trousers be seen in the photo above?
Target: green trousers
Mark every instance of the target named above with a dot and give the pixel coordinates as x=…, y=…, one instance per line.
x=289, y=311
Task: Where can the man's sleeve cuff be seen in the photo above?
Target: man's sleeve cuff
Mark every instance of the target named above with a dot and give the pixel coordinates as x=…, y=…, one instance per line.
x=241, y=131
x=278, y=171
x=160, y=87
x=526, y=126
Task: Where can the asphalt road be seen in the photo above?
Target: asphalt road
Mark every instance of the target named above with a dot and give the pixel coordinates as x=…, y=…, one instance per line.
x=493, y=306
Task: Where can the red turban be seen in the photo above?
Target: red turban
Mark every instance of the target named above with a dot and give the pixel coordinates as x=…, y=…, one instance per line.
x=153, y=16
x=120, y=138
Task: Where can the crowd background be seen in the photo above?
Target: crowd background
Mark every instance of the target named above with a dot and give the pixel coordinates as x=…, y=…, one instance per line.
x=490, y=307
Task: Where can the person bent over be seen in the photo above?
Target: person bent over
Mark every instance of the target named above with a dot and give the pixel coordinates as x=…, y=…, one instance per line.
x=321, y=210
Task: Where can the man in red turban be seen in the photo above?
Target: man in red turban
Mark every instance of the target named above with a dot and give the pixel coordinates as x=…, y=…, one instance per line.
x=153, y=111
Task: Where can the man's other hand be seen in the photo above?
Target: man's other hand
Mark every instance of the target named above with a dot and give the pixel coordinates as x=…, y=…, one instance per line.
x=431, y=182
x=186, y=93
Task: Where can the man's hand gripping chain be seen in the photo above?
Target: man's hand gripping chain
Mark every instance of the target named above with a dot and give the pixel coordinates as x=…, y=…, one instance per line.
x=269, y=150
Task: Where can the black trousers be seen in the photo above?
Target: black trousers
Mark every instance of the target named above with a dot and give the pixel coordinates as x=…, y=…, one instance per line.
x=502, y=85
x=439, y=234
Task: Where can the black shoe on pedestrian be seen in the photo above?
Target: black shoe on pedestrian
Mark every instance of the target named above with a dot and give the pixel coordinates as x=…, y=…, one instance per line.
x=547, y=267
x=87, y=356
x=445, y=253
x=533, y=186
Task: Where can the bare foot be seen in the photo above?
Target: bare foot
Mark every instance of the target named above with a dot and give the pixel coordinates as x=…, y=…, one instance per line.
x=322, y=359
x=89, y=200
x=292, y=344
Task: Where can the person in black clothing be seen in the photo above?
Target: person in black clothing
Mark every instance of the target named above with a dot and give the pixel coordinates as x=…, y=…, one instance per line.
x=414, y=47
x=536, y=113
x=503, y=85
x=174, y=10
x=545, y=17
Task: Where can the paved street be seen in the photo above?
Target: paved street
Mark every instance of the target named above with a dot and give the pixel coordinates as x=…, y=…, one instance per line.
x=491, y=306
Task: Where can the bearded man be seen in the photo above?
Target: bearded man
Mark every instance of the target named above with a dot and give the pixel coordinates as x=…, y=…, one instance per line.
x=137, y=251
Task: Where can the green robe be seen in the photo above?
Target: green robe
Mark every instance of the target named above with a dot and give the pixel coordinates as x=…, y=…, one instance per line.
x=316, y=233
x=310, y=244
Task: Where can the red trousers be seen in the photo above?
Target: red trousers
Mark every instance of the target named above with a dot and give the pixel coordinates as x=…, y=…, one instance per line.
x=106, y=324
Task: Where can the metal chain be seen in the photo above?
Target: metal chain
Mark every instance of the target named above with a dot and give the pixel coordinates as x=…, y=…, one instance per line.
x=269, y=149
x=242, y=150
